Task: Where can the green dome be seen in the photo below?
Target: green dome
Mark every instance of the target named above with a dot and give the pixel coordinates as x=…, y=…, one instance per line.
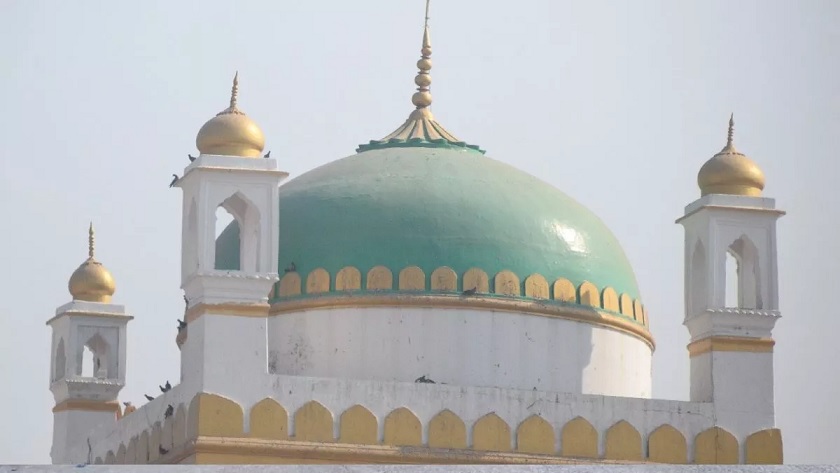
x=432, y=207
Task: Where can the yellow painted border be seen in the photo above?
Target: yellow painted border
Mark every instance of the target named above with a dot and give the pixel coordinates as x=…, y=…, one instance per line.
x=87, y=405
x=238, y=310
x=243, y=450
x=742, y=344
x=589, y=315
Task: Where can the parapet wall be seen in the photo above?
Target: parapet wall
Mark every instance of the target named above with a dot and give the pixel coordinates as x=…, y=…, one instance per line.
x=309, y=419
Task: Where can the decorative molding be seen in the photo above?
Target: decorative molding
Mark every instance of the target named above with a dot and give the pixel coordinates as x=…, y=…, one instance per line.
x=88, y=405
x=412, y=279
x=237, y=310
x=742, y=344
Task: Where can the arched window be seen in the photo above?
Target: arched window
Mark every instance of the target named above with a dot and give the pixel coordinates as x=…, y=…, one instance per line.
x=237, y=208
x=745, y=283
x=87, y=362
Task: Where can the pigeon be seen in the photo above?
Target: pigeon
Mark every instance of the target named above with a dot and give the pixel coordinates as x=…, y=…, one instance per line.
x=165, y=387
x=267, y=154
x=149, y=398
x=291, y=268
x=168, y=412
x=174, y=180
x=470, y=292
x=181, y=325
x=162, y=450
x=129, y=408
x=424, y=379
x=192, y=158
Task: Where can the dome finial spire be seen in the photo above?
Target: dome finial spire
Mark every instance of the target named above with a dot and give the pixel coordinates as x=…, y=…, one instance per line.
x=421, y=129
x=731, y=133
x=423, y=98
x=234, y=91
x=90, y=241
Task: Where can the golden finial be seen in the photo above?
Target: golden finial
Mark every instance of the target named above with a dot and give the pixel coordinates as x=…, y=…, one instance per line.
x=90, y=241
x=423, y=98
x=234, y=91
x=731, y=133
x=234, y=98
x=91, y=281
x=421, y=128
x=730, y=171
x=231, y=132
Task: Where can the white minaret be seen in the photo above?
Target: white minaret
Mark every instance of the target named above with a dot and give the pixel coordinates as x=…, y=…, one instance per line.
x=87, y=368
x=231, y=172
x=731, y=348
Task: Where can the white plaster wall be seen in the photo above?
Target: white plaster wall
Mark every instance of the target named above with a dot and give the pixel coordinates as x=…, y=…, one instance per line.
x=71, y=430
x=741, y=386
x=464, y=347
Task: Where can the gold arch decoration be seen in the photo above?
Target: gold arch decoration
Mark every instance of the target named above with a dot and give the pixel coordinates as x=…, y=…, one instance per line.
x=476, y=279
x=588, y=294
x=637, y=310
x=716, y=446
x=212, y=416
x=609, y=299
x=357, y=425
x=143, y=448
x=535, y=435
x=491, y=433
x=348, y=278
x=536, y=286
x=318, y=281
x=447, y=430
x=380, y=278
x=764, y=448
x=578, y=438
x=412, y=278
x=444, y=279
x=506, y=283
x=155, y=441
x=403, y=429
x=626, y=303
x=269, y=420
x=313, y=423
x=179, y=427
x=289, y=285
x=667, y=445
x=564, y=291
x=131, y=451
x=623, y=442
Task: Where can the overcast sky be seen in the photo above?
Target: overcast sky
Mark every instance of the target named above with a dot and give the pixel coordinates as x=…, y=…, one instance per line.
x=616, y=103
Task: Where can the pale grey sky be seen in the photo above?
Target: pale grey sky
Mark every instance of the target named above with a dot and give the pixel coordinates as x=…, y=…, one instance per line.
x=616, y=103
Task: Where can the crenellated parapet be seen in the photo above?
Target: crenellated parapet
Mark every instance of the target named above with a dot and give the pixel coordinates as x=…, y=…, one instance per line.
x=214, y=429
x=444, y=281
x=317, y=420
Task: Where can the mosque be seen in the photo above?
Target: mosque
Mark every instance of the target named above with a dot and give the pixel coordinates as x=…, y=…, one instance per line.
x=420, y=302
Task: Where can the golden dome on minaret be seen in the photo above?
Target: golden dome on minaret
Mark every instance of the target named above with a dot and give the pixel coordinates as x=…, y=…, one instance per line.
x=231, y=132
x=730, y=171
x=91, y=281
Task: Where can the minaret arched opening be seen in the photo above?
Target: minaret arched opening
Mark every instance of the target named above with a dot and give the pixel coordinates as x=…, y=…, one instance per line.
x=94, y=358
x=743, y=286
x=238, y=210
